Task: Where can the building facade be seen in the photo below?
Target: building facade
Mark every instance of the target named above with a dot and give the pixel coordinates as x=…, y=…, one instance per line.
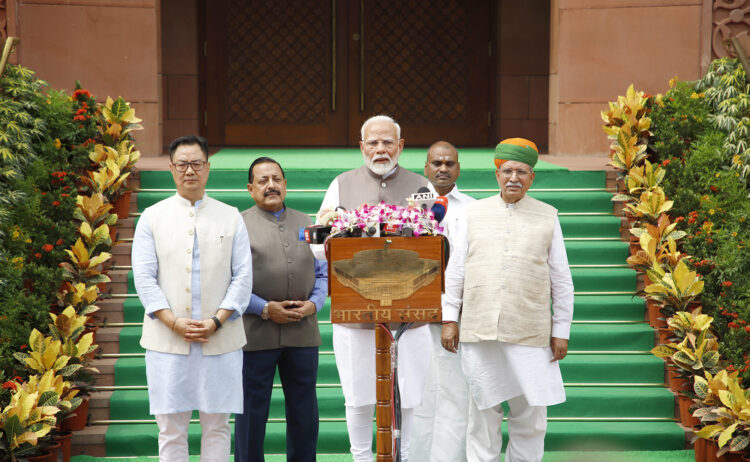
x=307, y=73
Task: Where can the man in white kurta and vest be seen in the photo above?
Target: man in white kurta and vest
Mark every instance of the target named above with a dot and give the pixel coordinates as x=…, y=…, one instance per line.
x=380, y=179
x=440, y=423
x=281, y=323
x=193, y=273
x=513, y=262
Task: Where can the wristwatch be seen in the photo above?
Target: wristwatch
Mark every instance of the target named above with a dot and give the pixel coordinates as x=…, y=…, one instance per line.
x=264, y=314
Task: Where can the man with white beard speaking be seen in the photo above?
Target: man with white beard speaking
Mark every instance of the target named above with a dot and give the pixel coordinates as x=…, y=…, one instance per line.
x=380, y=179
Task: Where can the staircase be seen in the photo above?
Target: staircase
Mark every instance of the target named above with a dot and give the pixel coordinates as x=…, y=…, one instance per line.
x=615, y=387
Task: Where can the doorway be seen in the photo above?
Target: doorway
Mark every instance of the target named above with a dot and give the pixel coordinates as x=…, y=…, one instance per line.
x=308, y=73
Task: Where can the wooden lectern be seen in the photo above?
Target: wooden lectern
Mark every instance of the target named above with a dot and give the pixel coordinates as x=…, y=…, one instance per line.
x=385, y=280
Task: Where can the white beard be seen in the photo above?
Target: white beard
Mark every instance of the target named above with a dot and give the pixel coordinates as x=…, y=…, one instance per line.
x=380, y=168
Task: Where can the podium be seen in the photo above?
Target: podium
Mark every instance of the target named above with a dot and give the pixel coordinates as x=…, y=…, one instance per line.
x=385, y=280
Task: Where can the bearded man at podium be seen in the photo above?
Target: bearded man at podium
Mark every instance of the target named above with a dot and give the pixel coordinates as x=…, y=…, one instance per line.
x=380, y=179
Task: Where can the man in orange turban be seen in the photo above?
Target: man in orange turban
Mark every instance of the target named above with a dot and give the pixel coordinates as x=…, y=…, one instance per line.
x=512, y=263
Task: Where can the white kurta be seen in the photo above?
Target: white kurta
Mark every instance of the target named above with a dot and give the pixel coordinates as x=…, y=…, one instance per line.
x=439, y=429
x=178, y=383
x=498, y=371
x=355, y=349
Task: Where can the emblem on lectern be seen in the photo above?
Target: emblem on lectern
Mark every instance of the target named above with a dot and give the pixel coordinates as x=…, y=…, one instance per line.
x=386, y=274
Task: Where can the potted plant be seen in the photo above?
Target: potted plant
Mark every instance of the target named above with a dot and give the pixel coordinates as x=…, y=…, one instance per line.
x=117, y=122
x=696, y=354
x=725, y=406
x=681, y=325
x=676, y=289
x=28, y=417
x=84, y=265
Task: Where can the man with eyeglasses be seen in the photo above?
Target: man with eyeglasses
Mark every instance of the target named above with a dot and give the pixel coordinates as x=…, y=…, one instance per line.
x=380, y=179
x=193, y=274
x=512, y=262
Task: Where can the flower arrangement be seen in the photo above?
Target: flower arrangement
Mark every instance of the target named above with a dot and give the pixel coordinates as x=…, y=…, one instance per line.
x=369, y=219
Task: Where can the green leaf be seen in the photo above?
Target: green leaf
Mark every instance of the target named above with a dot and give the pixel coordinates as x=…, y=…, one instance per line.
x=119, y=108
x=48, y=398
x=738, y=443
x=69, y=370
x=710, y=359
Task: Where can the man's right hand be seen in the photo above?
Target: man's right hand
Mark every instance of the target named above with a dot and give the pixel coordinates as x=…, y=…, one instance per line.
x=279, y=313
x=449, y=336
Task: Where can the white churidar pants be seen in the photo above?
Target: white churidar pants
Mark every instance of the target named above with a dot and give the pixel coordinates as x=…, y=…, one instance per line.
x=355, y=361
x=440, y=423
x=216, y=437
x=527, y=426
x=359, y=426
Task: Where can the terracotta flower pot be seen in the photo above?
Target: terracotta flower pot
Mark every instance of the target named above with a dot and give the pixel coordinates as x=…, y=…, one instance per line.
x=121, y=206
x=635, y=245
x=711, y=449
x=664, y=335
x=44, y=457
x=733, y=457
x=699, y=446
x=78, y=421
x=654, y=314
x=55, y=451
x=64, y=439
x=686, y=417
x=677, y=383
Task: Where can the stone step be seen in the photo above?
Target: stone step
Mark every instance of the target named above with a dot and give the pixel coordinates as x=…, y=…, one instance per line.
x=110, y=310
x=108, y=339
x=90, y=441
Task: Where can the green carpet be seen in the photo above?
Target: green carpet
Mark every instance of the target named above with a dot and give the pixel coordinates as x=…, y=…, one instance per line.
x=349, y=158
x=591, y=456
x=616, y=398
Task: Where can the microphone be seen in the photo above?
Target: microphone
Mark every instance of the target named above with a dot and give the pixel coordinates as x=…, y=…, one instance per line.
x=422, y=197
x=440, y=208
x=315, y=234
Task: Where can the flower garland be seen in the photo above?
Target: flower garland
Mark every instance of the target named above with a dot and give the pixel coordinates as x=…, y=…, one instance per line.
x=420, y=221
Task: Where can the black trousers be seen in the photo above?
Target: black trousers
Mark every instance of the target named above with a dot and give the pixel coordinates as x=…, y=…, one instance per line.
x=298, y=371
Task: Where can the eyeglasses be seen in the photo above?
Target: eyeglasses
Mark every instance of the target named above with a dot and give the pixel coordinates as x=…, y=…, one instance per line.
x=508, y=173
x=387, y=143
x=196, y=165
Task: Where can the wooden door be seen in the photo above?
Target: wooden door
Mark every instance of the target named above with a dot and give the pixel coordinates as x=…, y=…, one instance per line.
x=426, y=63
x=272, y=73
x=308, y=73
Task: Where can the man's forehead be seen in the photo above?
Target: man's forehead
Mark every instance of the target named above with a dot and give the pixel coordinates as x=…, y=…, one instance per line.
x=442, y=154
x=267, y=169
x=186, y=151
x=380, y=129
x=514, y=164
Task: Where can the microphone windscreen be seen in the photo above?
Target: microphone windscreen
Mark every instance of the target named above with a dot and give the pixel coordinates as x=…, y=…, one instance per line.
x=423, y=189
x=440, y=208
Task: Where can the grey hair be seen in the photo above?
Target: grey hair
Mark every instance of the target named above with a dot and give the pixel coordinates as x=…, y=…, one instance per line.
x=380, y=118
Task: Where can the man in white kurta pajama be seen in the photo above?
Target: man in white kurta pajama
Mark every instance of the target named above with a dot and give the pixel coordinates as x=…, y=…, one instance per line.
x=193, y=273
x=512, y=261
x=440, y=423
x=380, y=179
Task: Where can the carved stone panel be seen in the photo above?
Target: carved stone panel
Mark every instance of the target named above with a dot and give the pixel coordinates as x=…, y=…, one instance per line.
x=731, y=18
